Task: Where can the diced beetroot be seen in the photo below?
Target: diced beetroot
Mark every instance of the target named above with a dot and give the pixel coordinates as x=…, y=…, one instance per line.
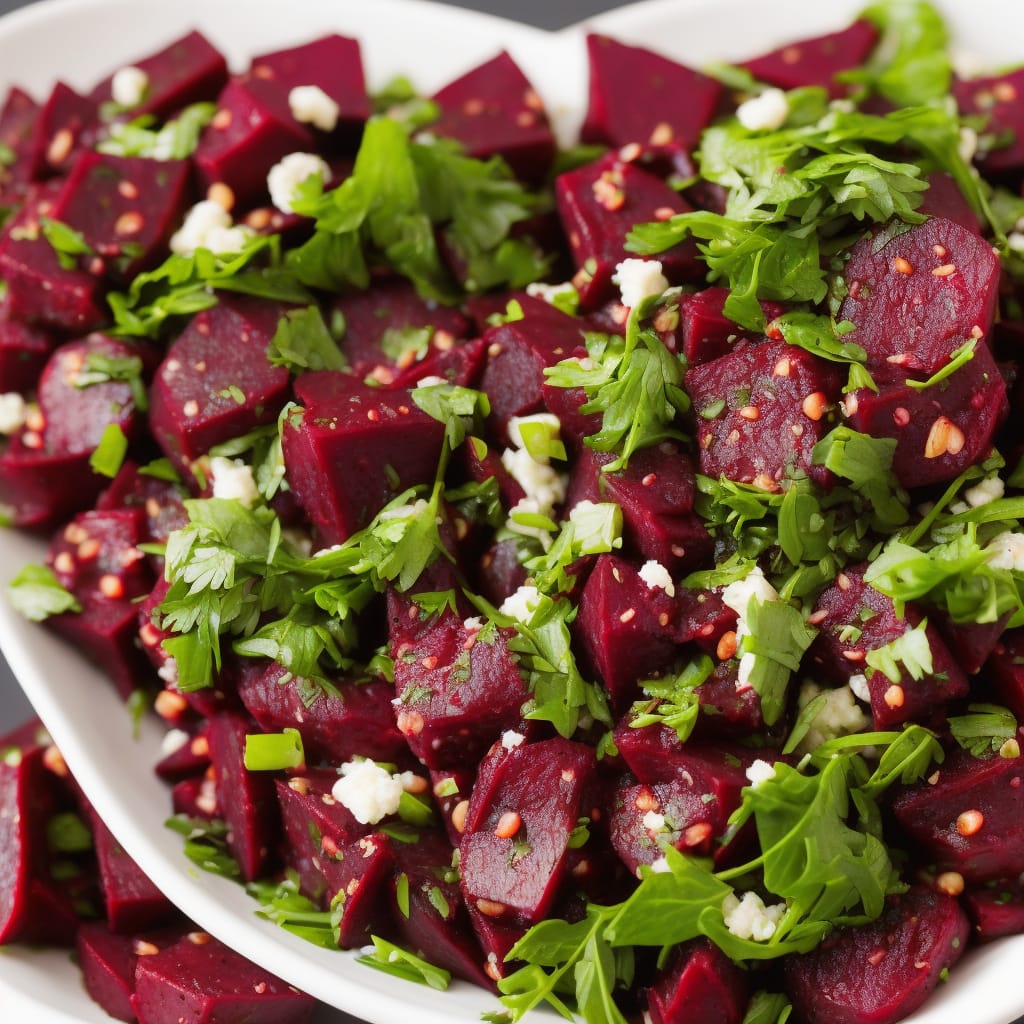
x=481, y=469
x=728, y=708
x=704, y=618
x=200, y=980
x=699, y=983
x=17, y=120
x=840, y=653
x=23, y=353
x=358, y=720
x=245, y=798
x=457, y=689
x=107, y=962
x=461, y=365
x=940, y=430
x=760, y=412
x=915, y=297
x=353, y=448
x=518, y=826
x=1006, y=670
x=496, y=940
x=970, y=643
x=196, y=798
x=818, y=60
x=220, y=357
x=450, y=788
x=996, y=908
x=38, y=488
x=62, y=129
x=944, y=199
x=997, y=99
x=639, y=96
x=705, y=332
x=880, y=972
x=493, y=110
x=501, y=572
x=970, y=818
x=246, y=138
x=599, y=204
x=189, y=759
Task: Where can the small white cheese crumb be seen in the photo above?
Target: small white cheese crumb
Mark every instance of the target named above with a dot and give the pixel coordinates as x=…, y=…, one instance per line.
x=1006, y=551
x=473, y=625
x=859, y=686
x=968, y=145
x=510, y=739
x=549, y=292
x=309, y=104
x=660, y=866
x=430, y=382
x=232, y=479
x=991, y=488
x=653, y=821
x=749, y=918
x=368, y=791
x=168, y=672
x=766, y=112
x=657, y=577
x=1015, y=240
x=12, y=412
x=639, y=279
x=208, y=226
x=542, y=483
x=173, y=741
x=289, y=173
x=129, y=86
x=753, y=587
x=760, y=771
x=520, y=605
x=840, y=715
x=404, y=511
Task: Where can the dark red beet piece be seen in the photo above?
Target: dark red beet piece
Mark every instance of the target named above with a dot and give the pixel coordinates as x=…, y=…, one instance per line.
x=639, y=96
x=195, y=797
x=1006, y=670
x=62, y=128
x=818, y=60
x=997, y=98
x=200, y=980
x=23, y=353
x=915, y=297
x=761, y=410
x=189, y=759
x=700, y=983
x=461, y=364
x=493, y=110
x=107, y=962
x=970, y=643
x=996, y=908
x=704, y=331
x=943, y=198
x=971, y=818
x=38, y=488
x=17, y=120
x=880, y=972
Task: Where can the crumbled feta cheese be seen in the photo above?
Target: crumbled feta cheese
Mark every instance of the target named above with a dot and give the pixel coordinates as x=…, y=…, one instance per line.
x=639, y=279
x=168, y=672
x=473, y=625
x=289, y=173
x=968, y=63
x=749, y=918
x=368, y=791
x=208, y=226
x=653, y=821
x=858, y=684
x=753, y=587
x=760, y=771
x=542, y=483
x=549, y=292
x=520, y=605
x=528, y=507
x=840, y=715
x=128, y=87
x=843, y=106
x=311, y=105
x=991, y=488
x=430, y=382
x=765, y=112
x=12, y=412
x=510, y=739
x=1015, y=240
x=660, y=866
x=233, y=480
x=173, y=741
x=657, y=577
x=968, y=145
x=1006, y=551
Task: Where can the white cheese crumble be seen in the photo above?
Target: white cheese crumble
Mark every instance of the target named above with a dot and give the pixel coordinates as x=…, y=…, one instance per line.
x=168, y=672
x=653, y=821
x=128, y=87
x=510, y=739
x=858, y=684
x=638, y=280
x=473, y=625
x=233, y=480
x=541, y=482
x=173, y=741
x=968, y=145
x=1015, y=240
x=1006, y=551
x=991, y=488
x=749, y=918
x=549, y=292
x=368, y=791
x=309, y=104
x=660, y=866
x=766, y=112
x=431, y=381
x=12, y=412
x=840, y=715
x=657, y=577
x=208, y=226
x=289, y=173
x=404, y=511
x=760, y=771
x=753, y=587
x=521, y=605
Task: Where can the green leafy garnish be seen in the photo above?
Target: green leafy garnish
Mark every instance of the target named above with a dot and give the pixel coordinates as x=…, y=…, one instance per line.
x=175, y=140
x=109, y=454
x=673, y=701
x=400, y=963
x=65, y=241
x=283, y=903
x=984, y=729
x=67, y=833
x=269, y=752
x=100, y=368
x=303, y=342
x=37, y=594
x=206, y=844
x=909, y=653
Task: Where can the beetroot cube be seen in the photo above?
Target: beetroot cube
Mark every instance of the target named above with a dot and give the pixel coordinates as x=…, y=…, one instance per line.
x=107, y=962
x=501, y=573
x=39, y=488
x=461, y=364
x=23, y=353
x=761, y=410
x=599, y=204
x=699, y=983
x=196, y=797
x=728, y=707
x=816, y=61
x=944, y=199
x=705, y=332
x=200, y=980
x=18, y=118
x=1006, y=670
x=919, y=295
x=639, y=96
x=997, y=98
x=883, y=971
x=996, y=908
x=62, y=129
x=970, y=643
x=190, y=759
x=246, y=138
x=353, y=448
x=493, y=110
x=218, y=360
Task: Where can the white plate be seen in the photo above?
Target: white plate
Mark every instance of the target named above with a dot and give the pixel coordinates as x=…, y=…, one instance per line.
x=80, y=40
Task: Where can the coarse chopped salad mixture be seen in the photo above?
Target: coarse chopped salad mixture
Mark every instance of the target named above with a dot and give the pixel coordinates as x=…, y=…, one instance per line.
x=596, y=574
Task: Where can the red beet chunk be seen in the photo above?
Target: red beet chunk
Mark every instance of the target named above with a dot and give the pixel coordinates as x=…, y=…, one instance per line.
x=189, y=70
x=200, y=980
x=639, y=96
x=1006, y=670
x=997, y=99
x=699, y=983
x=246, y=138
x=728, y=709
x=38, y=488
x=881, y=972
x=220, y=357
x=940, y=430
x=971, y=819
x=996, y=908
x=918, y=296
x=839, y=655
x=195, y=798
x=493, y=110
x=107, y=962
x=599, y=204
x=518, y=826
x=18, y=118
x=818, y=60
x=704, y=332
x=944, y=199
x=353, y=448
x=500, y=573
x=358, y=720
x=970, y=643
x=188, y=760
x=246, y=798
x=62, y=129
x=23, y=353
x=461, y=364
x=761, y=410
x=704, y=618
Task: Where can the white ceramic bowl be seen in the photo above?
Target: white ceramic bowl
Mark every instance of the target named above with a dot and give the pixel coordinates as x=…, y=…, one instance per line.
x=79, y=41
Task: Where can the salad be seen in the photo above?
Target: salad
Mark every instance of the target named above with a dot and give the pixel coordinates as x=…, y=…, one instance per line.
x=638, y=642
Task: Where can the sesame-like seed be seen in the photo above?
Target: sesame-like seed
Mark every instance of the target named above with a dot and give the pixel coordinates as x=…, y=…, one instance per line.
x=697, y=834
x=946, y=270
x=646, y=800
x=734, y=437
x=299, y=785
x=608, y=195
x=796, y=429
x=727, y=645
x=169, y=705
x=950, y=882
x=75, y=533
x=200, y=938
x=1010, y=748
x=814, y=405
x=773, y=331
x=140, y=947
x=900, y=416
x=491, y=908
x=876, y=957
x=533, y=100
x=663, y=619
x=410, y=723
x=852, y=654
x=782, y=368
x=664, y=213
x=222, y=119
x=627, y=616
x=200, y=747
x=459, y=812
x=372, y=415
x=473, y=107
x=894, y=696
x=649, y=480
x=526, y=118
x=60, y=146
x=939, y=250
x=327, y=799
x=492, y=971
x=259, y=219
x=129, y=223
x=616, y=575
x=153, y=508
x=416, y=784
x=662, y=134
x=508, y=825
x=750, y=412
x=791, y=55
x=956, y=440
x=765, y=483
x=630, y=152
x=902, y=266
x=53, y=761
x=149, y=634
x=88, y=549
x=977, y=333
x=64, y=563
x=128, y=189
x=111, y=586
x=260, y=987
x=429, y=662
x=568, y=775
x=843, y=581
x=815, y=618
x=678, y=550
x=969, y=823
x=494, y=349
x=191, y=408
x=35, y=420
x=31, y=439
x=937, y=443
x=329, y=846
x=850, y=405
x=1004, y=92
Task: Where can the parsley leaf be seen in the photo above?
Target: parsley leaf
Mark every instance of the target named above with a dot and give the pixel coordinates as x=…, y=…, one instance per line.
x=100, y=368
x=303, y=342
x=65, y=241
x=175, y=140
x=673, y=700
x=910, y=652
x=109, y=454
x=985, y=729
x=206, y=844
x=400, y=963
x=37, y=594
x=283, y=903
